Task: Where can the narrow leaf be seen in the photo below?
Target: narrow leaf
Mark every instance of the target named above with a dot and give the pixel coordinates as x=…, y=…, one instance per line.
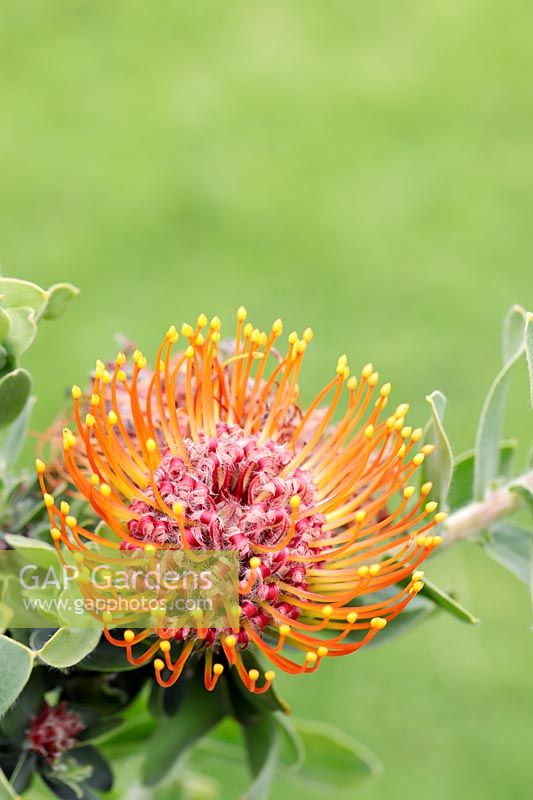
x=439, y=465
x=510, y=545
x=529, y=353
x=13, y=437
x=487, y=465
x=199, y=712
x=262, y=741
x=447, y=602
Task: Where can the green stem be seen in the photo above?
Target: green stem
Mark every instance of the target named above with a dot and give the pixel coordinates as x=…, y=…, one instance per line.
x=477, y=517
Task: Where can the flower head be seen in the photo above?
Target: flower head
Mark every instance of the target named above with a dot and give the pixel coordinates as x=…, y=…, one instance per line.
x=211, y=450
x=53, y=731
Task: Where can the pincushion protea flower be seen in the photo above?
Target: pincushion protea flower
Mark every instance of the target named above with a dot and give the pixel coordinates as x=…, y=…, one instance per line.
x=215, y=453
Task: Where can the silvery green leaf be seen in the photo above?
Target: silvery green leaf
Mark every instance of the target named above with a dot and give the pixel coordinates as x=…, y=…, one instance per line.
x=23, y=294
x=5, y=324
x=60, y=295
x=12, y=438
x=22, y=331
x=68, y=646
x=487, y=464
x=15, y=388
x=16, y=662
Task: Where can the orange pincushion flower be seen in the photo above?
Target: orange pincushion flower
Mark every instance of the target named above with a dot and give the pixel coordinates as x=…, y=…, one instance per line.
x=211, y=451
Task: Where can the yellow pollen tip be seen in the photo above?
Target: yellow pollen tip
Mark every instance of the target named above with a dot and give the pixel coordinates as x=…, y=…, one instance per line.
x=112, y=418
x=89, y=420
x=360, y=515
x=418, y=586
x=158, y=664
x=427, y=449
x=95, y=399
x=408, y=492
x=48, y=500
x=164, y=646
x=187, y=330
x=374, y=378
x=431, y=507
x=426, y=488
x=363, y=571
x=308, y=334
x=369, y=431
x=322, y=651
x=64, y=507
x=129, y=636
x=352, y=383
x=367, y=371
x=402, y=410
x=253, y=674
x=120, y=359
x=255, y=562
x=406, y=432
x=200, y=340
x=436, y=540
x=421, y=541
x=248, y=330
x=419, y=459
x=440, y=517
x=311, y=657
x=230, y=640
x=284, y=629
x=385, y=390
x=121, y=376
x=215, y=324
x=241, y=313
x=327, y=611
x=270, y=675
x=201, y=321
x=378, y=623
x=390, y=423
x=295, y=501
x=40, y=466
x=71, y=522
x=301, y=346
x=76, y=392
x=178, y=509
x=402, y=451
x=189, y=352
x=151, y=445
x=106, y=490
x=398, y=425
x=374, y=569
x=277, y=327
x=218, y=669
x=417, y=434
x=172, y=334
x=351, y=617
x=106, y=377
x=55, y=533
x=94, y=479
x=418, y=575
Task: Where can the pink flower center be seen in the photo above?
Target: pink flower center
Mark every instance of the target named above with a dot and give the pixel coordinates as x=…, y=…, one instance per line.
x=234, y=495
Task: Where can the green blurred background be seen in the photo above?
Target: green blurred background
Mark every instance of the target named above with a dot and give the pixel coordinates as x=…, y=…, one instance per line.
x=363, y=168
